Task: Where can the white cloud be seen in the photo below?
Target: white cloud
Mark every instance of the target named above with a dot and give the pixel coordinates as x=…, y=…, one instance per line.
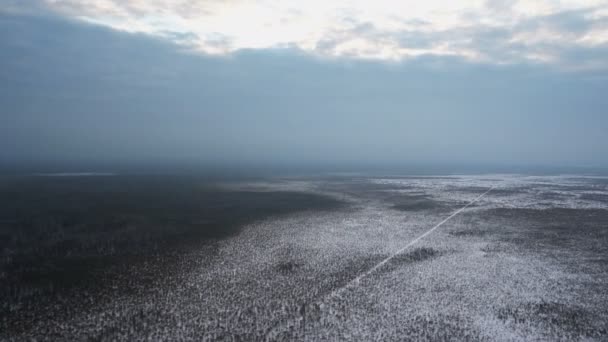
x=379, y=29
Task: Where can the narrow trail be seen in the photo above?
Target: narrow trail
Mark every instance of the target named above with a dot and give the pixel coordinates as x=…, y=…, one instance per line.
x=273, y=331
x=356, y=280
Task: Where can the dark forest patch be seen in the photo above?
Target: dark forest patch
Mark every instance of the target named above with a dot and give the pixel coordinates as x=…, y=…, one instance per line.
x=61, y=233
x=497, y=247
x=287, y=267
x=415, y=202
x=437, y=327
x=602, y=198
x=564, y=228
x=570, y=319
x=349, y=271
x=414, y=256
x=470, y=232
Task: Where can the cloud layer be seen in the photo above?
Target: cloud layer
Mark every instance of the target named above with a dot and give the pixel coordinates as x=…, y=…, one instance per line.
x=570, y=34
x=72, y=91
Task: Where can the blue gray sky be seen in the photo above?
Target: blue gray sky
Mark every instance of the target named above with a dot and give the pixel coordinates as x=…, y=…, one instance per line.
x=501, y=81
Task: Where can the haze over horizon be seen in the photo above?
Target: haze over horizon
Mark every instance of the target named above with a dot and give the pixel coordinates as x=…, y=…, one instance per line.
x=470, y=82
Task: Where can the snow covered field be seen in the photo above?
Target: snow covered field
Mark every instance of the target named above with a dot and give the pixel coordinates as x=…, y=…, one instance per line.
x=526, y=261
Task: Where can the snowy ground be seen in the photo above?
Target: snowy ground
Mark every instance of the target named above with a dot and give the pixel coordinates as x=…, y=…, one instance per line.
x=527, y=261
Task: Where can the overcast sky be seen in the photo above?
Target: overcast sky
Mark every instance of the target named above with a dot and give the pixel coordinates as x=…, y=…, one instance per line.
x=502, y=81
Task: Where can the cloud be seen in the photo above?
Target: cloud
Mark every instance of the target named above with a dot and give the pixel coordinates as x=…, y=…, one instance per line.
x=76, y=91
x=491, y=31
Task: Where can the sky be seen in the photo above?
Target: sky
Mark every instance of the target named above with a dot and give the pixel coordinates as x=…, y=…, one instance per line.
x=394, y=82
